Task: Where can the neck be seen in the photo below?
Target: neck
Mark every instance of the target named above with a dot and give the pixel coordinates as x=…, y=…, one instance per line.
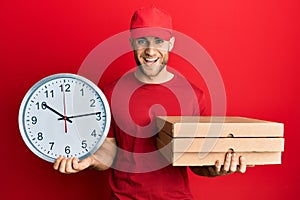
x=162, y=77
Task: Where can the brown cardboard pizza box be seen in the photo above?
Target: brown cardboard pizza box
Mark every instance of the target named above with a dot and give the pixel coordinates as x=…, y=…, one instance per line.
x=197, y=141
x=218, y=126
x=241, y=144
x=209, y=158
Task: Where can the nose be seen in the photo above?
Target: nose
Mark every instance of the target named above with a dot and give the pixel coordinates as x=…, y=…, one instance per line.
x=150, y=51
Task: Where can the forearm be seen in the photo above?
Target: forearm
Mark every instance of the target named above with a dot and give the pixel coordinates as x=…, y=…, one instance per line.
x=104, y=157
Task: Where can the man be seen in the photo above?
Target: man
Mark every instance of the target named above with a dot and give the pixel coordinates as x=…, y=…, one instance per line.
x=139, y=171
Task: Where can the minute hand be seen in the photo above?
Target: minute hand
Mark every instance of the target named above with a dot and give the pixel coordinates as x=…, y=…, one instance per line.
x=82, y=115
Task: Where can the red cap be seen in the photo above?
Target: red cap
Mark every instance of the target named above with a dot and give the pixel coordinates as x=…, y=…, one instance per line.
x=151, y=21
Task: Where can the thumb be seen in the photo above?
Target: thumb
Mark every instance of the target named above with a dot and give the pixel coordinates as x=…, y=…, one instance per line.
x=80, y=165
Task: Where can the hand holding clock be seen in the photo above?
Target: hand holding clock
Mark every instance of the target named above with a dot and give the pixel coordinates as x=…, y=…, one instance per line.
x=102, y=159
x=71, y=165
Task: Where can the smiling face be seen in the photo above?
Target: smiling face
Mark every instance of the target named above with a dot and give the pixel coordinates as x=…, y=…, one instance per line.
x=151, y=55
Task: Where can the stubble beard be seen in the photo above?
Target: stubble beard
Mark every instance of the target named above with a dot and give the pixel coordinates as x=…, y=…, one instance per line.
x=147, y=74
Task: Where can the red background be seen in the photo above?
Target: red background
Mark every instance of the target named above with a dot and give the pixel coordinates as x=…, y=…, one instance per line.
x=255, y=44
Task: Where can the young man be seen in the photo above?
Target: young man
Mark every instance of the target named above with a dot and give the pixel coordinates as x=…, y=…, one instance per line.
x=138, y=169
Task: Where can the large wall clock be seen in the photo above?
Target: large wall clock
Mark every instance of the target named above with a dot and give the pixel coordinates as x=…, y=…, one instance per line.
x=64, y=114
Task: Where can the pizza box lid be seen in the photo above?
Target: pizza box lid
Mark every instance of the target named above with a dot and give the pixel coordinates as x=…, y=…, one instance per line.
x=218, y=126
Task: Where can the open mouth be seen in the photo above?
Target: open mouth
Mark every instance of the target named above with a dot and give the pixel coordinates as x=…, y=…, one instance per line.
x=151, y=60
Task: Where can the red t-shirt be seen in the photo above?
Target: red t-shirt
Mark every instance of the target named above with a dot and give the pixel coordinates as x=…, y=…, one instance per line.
x=140, y=171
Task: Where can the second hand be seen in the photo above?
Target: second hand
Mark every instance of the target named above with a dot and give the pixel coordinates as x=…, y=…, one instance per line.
x=65, y=110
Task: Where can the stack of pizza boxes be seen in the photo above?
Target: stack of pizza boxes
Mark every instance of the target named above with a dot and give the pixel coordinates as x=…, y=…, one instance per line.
x=200, y=141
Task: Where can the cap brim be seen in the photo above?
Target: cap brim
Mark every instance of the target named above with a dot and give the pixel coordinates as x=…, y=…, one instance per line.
x=161, y=33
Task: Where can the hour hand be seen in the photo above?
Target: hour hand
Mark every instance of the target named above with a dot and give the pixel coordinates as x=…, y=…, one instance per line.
x=59, y=114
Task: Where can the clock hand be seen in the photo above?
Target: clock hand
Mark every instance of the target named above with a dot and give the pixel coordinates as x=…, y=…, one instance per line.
x=82, y=115
x=63, y=117
x=65, y=110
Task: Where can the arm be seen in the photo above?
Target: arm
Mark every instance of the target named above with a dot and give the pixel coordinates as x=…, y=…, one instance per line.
x=231, y=164
x=102, y=159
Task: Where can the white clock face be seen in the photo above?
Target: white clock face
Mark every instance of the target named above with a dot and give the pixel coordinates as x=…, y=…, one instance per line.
x=64, y=114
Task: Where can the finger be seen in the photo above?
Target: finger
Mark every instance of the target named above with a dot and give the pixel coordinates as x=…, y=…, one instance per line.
x=69, y=166
x=227, y=162
x=234, y=163
x=218, y=167
x=243, y=164
x=57, y=162
x=62, y=166
x=85, y=163
x=212, y=171
x=75, y=164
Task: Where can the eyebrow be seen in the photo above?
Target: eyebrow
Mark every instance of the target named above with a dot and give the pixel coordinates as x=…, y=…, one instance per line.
x=145, y=38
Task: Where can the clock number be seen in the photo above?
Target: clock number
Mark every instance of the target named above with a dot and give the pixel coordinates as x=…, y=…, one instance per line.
x=42, y=105
x=93, y=101
x=83, y=144
x=49, y=94
x=67, y=149
x=94, y=133
x=98, y=114
x=82, y=92
x=51, y=145
x=33, y=120
x=66, y=87
x=40, y=136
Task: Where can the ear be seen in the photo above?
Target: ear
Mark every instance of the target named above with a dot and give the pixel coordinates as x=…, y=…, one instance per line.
x=171, y=43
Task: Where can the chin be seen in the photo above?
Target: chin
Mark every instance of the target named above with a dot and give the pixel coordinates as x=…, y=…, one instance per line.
x=153, y=72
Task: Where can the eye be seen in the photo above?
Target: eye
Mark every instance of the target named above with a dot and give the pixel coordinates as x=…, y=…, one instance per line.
x=159, y=41
x=141, y=41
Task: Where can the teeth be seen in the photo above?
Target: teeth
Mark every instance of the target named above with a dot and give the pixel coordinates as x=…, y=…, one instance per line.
x=151, y=59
